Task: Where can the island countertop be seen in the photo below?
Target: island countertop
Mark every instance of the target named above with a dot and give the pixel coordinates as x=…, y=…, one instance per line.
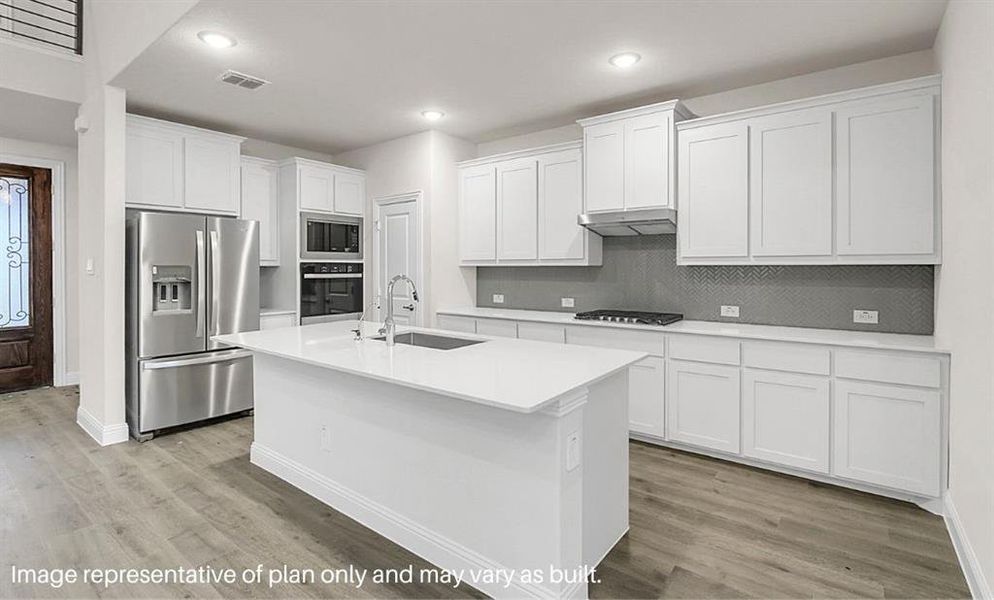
x=511, y=374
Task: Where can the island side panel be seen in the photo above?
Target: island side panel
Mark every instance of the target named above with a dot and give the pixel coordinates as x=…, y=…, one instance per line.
x=605, y=469
x=465, y=486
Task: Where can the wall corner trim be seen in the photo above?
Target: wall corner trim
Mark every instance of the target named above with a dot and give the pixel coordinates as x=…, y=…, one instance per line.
x=104, y=435
x=972, y=569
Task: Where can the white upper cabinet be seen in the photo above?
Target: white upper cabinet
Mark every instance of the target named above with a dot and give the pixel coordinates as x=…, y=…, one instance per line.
x=648, y=141
x=260, y=202
x=604, y=175
x=790, y=164
x=714, y=205
x=478, y=213
x=847, y=178
x=212, y=179
x=560, y=200
x=517, y=209
x=629, y=157
x=176, y=167
x=317, y=188
x=521, y=208
x=323, y=187
x=885, y=156
x=350, y=193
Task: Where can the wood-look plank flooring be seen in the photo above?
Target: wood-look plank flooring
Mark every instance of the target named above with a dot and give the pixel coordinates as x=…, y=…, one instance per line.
x=700, y=528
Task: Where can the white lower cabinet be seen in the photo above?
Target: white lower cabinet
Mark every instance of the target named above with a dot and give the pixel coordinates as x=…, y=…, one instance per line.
x=786, y=418
x=888, y=435
x=646, y=397
x=456, y=323
x=497, y=328
x=702, y=405
x=541, y=332
x=278, y=320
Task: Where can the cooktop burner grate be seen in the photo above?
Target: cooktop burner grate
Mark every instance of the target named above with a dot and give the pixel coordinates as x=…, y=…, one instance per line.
x=629, y=316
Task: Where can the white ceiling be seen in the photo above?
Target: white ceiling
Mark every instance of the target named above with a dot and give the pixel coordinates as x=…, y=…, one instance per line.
x=351, y=73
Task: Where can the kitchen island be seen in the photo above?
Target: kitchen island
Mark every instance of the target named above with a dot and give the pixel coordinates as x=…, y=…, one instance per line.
x=505, y=460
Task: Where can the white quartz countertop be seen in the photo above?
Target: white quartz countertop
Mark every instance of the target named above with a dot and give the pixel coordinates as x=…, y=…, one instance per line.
x=518, y=375
x=804, y=335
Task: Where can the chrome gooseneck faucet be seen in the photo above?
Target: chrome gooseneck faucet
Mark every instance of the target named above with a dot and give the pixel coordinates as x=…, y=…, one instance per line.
x=389, y=327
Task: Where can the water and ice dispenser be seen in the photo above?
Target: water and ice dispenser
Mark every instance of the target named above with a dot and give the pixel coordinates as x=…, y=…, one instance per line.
x=172, y=289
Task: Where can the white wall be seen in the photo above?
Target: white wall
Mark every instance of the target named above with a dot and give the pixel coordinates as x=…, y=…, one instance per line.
x=965, y=281
x=33, y=69
x=274, y=151
x=426, y=162
x=66, y=155
x=884, y=70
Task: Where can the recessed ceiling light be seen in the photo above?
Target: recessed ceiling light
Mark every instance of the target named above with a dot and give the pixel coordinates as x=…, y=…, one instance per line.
x=625, y=59
x=216, y=40
x=432, y=115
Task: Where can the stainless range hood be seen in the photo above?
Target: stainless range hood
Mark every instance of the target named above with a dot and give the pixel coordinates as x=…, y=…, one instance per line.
x=648, y=221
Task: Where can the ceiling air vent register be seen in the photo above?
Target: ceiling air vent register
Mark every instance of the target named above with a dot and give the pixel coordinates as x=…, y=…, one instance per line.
x=242, y=80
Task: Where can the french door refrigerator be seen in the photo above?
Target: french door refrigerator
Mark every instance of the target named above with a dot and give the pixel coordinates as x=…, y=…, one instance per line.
x=188, y=278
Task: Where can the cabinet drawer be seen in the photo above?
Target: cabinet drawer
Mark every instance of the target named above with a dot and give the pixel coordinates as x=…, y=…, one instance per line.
x=786, y=357
x=705, y=349
x=907, y=369
x=456, y=323
x=621, y=339
x=541, y=332
x=497, y=328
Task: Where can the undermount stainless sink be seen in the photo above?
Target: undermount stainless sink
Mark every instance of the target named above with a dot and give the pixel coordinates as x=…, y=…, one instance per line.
x=428, y=340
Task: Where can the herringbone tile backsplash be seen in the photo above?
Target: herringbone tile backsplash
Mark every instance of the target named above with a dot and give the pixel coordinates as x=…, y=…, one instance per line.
x=640, y=273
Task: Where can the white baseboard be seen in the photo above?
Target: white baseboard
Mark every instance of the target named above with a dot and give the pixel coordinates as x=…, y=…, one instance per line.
x=68, y=378
x=427, y=544
x=104, y=435
x=972, y=569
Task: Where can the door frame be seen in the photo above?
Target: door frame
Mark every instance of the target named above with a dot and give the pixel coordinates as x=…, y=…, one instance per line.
x=416, y=196
x=60, y=376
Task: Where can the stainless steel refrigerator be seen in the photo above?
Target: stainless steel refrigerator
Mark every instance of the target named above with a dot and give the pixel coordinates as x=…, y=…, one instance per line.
x=188, y=278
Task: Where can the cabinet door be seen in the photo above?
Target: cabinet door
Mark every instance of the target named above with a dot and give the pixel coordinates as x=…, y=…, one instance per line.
x=790, y=162
x=478, y=214
x=885, y=177
x=317, y=188
x=541, y=332
x=888, y=435
x=786, y=419
x=350, y=193
x=456, y=323
x=714, y=191
x=497, y=328
x=702, y=405
x=260, y=202
x=154, y=170
x=212, y=179
x=517, y=209
x=277, y=321
x=647, y=161
x=560, y=201
x=646, y=391
x=604, y=166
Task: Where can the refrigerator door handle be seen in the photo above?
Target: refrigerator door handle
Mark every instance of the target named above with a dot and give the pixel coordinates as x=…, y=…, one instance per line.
x=201, y=278
x=215, y=284
x=213, y=357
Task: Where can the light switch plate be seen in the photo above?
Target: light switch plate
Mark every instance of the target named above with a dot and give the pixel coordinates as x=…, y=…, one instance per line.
x=325, y=439
x=568, y=302
x=498, y=298
x=729, y=311
x=573, y=450
x=865, y=316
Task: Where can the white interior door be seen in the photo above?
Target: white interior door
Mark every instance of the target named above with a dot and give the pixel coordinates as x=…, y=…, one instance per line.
x=399, y=253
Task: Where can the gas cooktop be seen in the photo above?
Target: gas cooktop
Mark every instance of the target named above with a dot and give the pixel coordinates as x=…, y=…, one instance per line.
x=629, y=316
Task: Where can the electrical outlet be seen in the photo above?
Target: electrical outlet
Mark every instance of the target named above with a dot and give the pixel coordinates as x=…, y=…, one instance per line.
x=864, y=316
x=729, y=311
x=325, y=438
x=568, y=302
x=498, y=298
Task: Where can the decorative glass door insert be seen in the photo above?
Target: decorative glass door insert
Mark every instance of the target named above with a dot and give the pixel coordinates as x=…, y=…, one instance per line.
x=15, y=270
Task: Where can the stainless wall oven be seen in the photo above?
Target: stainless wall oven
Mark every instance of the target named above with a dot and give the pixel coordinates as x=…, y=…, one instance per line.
x=330, y=292
x=330, y=236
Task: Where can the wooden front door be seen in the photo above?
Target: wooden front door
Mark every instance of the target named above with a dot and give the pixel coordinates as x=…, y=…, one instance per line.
x=25, y=277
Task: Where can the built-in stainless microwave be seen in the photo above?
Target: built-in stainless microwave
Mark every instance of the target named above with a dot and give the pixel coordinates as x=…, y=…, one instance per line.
x=330, y=236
